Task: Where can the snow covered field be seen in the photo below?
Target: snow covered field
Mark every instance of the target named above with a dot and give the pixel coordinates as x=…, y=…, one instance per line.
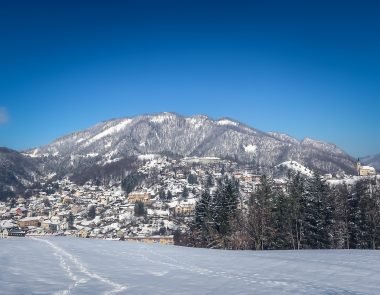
x=62, y=265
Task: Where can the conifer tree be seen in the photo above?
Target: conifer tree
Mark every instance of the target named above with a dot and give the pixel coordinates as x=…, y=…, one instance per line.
x=70, y=220
x=296, y=190
x=318, y=213
x=225, y=202
x=185, y=192
x=91, y=213
x=356, y=216
x=260, y=215
x=203, y=220
x=339, y=230
x=169, y=195
x=282, y=221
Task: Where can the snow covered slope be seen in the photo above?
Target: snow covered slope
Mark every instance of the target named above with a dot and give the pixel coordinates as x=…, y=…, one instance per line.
x=83, y=266
x=16, y=172
x=173, y=134
x=296, y=167
x=373, y=161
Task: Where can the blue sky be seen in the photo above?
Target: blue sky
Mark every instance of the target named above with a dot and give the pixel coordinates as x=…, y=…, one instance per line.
x=306, y=68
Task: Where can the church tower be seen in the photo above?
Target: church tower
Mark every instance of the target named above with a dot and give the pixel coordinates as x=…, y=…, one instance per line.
x=358, y=166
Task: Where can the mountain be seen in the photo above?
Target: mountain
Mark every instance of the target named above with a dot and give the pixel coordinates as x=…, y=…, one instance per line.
x=111, y=145
x=16, y=172
x=373, y=161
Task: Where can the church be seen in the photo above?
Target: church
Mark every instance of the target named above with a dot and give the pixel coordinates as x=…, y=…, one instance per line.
x=364, y=170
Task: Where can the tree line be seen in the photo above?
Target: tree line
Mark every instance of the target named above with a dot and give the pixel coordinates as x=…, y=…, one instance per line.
x=307, y=214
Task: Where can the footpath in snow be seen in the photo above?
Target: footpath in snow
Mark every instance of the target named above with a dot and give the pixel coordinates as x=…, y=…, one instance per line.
x=60, y=265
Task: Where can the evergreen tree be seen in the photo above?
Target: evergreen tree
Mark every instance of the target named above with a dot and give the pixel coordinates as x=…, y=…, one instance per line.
x=139, y=209
x=91, y=213
x=130, y=182
x=225, y=202
x=282, y=221
x=209, y=181
x=47, y=202
x=374, y=217
x=296, y=207
x=260, y=215
x=185, y=192
x=161, y=194
x=318, y=213
x=223, y=170
x=340, y=228
x=370, y=217
x=192, y=179
x=203, y=220
x=358, y=234
x=70, y=220
x=169, y=195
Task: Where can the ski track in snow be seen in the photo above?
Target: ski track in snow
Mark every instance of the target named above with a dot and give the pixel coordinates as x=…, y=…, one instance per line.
x=138, y=268
x=61, y=254
x=253, y=279
x=200, y=270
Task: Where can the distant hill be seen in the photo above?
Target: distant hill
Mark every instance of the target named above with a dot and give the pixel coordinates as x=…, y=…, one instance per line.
x=373, y=161
x=16, y=172
x=110, y=145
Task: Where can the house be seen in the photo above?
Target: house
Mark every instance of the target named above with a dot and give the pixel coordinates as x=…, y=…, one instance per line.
x=50, y=226
x=4, y=234
x=16, y=233
x=83, y=233
x=165, y=240
x=184, y=210
x=29, y=221
x=76, y=209
x=364, y=170
x=20, y=211
x=134, y=197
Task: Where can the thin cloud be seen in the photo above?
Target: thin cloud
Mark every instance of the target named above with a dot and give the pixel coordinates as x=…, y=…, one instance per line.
x=4, y=117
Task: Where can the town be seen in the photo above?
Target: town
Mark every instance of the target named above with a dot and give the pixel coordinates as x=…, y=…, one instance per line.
x=150, y=205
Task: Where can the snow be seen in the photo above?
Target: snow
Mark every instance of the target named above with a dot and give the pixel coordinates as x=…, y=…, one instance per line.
x=109, y=131
x=147, y=157
x=250, y=149
x=111, y=161
x=295, y=166
x=32, y=154
x=368, y=168
x=195, y=122
x=60, y=265
x=161, y=118
x=351, y=180
x=226, y=122
x=7, y=224
x=201, y=159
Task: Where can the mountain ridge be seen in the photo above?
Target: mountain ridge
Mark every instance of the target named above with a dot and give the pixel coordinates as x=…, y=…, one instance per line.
x=113, y=140
x=373, y=160
x=16, y=172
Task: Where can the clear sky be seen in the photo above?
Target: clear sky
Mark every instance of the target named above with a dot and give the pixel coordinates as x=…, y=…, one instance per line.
x=306, y=68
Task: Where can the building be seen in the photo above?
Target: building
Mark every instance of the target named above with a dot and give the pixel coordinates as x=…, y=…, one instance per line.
x=4, y=234
x=184, y=210
x=29, y=221
x=50, y=226
x=13, y=233
x=134, y=197
x=364, y=170
x=83, y=233
x=165, y=240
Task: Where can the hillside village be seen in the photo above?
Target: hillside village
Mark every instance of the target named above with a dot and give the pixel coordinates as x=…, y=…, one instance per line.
x=151, y=205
